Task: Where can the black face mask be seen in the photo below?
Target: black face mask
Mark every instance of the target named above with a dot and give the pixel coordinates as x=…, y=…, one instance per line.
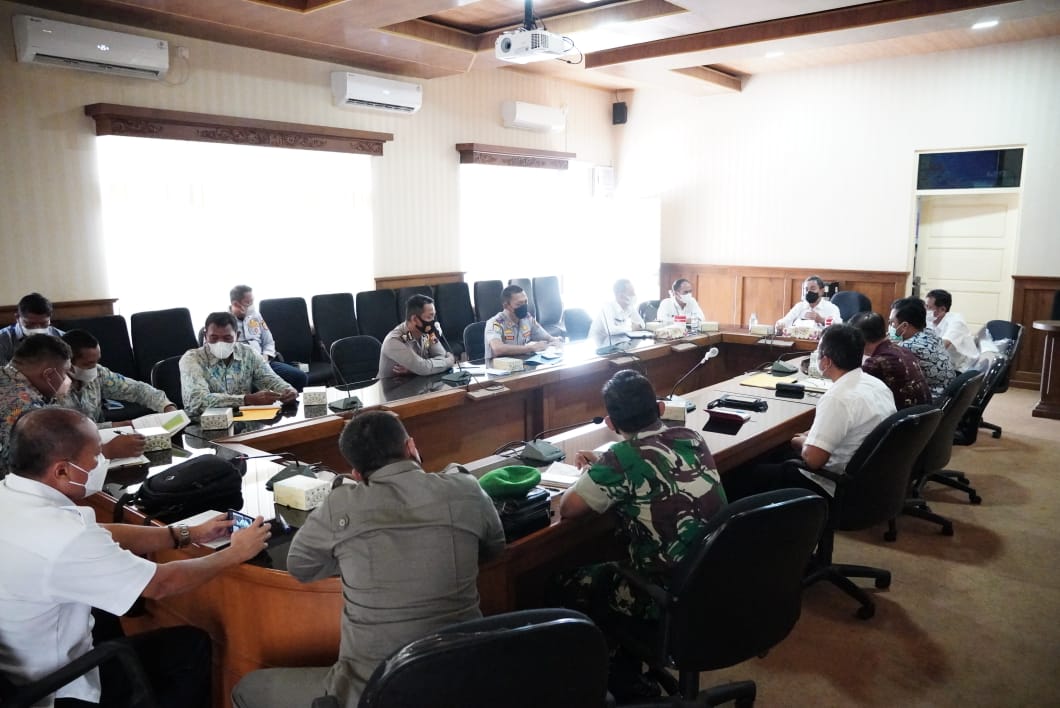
x=812, y=297
x=426, y=327
x=522, y=311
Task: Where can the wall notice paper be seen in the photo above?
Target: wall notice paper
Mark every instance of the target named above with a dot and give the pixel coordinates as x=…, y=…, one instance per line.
x=259, y=412
x=560, y=474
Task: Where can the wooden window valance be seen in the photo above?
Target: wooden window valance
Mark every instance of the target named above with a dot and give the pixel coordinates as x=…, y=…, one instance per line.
x=139, y=122
x=479, y=154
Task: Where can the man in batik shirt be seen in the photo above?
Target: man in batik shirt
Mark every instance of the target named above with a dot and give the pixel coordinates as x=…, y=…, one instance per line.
x=894, y=365
x=661, y=482
x=908, y=322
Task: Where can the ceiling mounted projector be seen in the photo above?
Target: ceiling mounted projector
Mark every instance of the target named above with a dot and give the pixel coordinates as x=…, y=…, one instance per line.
x=523, y=46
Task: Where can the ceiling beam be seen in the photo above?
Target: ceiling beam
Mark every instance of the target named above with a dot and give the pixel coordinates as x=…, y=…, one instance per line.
x=842, y=18
x=713, y=76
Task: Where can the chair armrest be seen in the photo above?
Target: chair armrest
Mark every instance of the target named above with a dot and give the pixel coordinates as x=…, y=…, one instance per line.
x=661, y=596
x=29, y=694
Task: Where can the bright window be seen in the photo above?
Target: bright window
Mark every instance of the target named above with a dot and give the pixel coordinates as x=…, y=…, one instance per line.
x=185, y=221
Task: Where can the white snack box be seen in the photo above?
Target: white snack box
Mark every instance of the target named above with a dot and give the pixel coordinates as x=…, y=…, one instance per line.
x=315, y=396
x=507, y=363
x=156, y=439
x=300, y=492
x=216, y=418
x=709, y=326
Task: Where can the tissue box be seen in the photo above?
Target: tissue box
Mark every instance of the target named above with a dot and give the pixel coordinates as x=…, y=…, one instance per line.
x=156, y=439
x=300, y=492
x=762, y=330
x=315, y=396
x=216, y=418
x=507, y=363
x=674, y=410
x=709, y=327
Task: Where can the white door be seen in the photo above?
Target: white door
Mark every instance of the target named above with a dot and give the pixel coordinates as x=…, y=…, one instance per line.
x=966, y=244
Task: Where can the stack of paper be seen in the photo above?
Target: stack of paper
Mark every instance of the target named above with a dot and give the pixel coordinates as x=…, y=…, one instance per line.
x=560, y=474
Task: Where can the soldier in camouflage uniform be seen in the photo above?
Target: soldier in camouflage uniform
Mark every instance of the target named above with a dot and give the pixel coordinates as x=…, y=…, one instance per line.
x=662, y=483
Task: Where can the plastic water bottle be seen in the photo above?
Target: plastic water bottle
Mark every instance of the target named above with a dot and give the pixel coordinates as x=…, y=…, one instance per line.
x=753, y=321
x=814, y=370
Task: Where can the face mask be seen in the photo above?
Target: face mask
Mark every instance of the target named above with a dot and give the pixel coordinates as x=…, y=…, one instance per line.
x=221, y=350
x=38, y=330
x=426, y=327
x=522, y=311
x=892, y=333
x=84, y=375
x=96, y=475
x=812, y=297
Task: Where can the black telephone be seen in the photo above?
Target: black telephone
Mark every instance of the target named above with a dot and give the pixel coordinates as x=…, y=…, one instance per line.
x=746, y=403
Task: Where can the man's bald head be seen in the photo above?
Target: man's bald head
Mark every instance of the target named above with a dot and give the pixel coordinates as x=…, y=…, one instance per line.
x=44, y=436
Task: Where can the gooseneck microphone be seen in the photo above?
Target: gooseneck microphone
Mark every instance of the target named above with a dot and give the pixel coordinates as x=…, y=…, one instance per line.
x=595, y=420
x=711, y=353
x=460, y=377
x=350, y=403
x=537, y=451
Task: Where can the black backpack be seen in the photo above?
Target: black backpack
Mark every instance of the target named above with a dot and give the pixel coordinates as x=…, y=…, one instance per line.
x=188, y=488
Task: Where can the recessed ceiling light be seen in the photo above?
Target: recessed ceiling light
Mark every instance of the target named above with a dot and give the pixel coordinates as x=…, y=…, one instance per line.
x=774, y=55
x=985, y=24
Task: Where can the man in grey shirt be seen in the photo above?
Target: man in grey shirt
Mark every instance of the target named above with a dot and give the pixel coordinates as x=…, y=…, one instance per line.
x=413, y=348
x=407, y=545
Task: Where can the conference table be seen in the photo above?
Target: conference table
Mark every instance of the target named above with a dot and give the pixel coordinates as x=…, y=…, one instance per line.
x=259, y=616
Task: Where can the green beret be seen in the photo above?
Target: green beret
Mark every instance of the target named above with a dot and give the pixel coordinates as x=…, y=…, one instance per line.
x=510, y=482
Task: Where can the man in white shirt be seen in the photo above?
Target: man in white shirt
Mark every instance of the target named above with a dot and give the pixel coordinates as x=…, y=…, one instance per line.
x=680, y=303
x=851, y=408
x=59, y=563
x=951, y=329
x=813, y=306
x=617, y=317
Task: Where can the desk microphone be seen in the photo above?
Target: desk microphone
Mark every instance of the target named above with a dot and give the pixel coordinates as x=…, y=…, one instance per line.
x=537, y=451
x=350, y=403
x=460, y=377
x=689, y=406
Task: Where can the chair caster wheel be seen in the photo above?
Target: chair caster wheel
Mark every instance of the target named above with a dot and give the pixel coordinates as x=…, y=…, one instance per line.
x=975, y=499
x=866, y=612
x=891, y=536
x=947, y=530
x=883, y=583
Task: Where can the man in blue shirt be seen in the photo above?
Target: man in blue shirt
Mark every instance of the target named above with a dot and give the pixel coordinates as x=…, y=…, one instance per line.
x=34, y=317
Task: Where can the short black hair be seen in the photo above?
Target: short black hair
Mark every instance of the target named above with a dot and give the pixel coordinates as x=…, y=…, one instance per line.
x=942, y=298
x=415, y=304
x=871, y=324
x=817, y=279
x=42, y=349
x=34, y=304
x=237, y=293
x=631, y=402
x=222, y=319
x=911, y=310
x=844, y=345
x=372, y=440
x=42, y=436
x=79, y=340
x=678, y=282
x=509, y=292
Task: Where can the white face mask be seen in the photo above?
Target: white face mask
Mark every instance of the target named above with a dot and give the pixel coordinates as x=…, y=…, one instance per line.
x=38, y=330
x=84, y=375
x=221, y=350
x=96, y=475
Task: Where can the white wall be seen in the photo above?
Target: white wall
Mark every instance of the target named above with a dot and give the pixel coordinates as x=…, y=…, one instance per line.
x=50, y=225
x=816, y=168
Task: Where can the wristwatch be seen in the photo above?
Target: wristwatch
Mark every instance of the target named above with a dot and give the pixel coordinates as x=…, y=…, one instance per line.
x=181, y=535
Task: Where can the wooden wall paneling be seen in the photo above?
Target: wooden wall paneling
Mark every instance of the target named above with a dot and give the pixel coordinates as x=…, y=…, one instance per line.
x=760, y=293
x=68, y=310
x=406, y=281
x=1032, y=299
x=716, y=295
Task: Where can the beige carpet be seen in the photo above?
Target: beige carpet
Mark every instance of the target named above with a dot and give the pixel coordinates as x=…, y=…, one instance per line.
x=969, y=620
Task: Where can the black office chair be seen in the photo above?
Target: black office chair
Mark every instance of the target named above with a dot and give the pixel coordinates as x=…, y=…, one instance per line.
x=528, y=659
x=158, y=335
x=936, y=455
x=487, y=298
x=355, y=359
x=288, y=320
x=549, y=304
x=993, y=367
x=116, y=352
x=576, y=322
x=1055, y=312
x=735, y=597
x=1008, y=336
x=403, y=295
x=528, y=287
x=649, y=310
x=452, y=303
x=377, y=312
x=474, y=341
x=165, y=376
x=850, y=303
x=872, y=490
x=334, y=317
x=30, y=694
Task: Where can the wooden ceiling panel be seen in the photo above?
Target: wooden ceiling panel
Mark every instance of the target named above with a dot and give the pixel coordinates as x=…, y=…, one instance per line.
x=488, y=15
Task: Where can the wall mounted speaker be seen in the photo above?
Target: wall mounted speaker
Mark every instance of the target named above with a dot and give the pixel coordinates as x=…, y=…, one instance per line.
x=619, y=113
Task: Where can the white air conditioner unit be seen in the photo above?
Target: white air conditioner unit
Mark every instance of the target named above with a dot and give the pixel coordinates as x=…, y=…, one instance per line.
x=363, y=91
x=41, y=41
x=530, y=116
